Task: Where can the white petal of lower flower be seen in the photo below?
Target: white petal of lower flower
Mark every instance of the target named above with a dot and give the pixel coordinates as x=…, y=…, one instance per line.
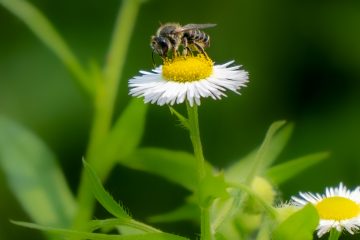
x=338, y=208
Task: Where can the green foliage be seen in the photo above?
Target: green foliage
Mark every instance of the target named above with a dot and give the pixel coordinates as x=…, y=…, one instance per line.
x=125, y=135
x=188, y=211
x=258, y=160
x=103, y=196
x=183, y=120
x=212, y=187
x=34, y=176
x=283, y=172
x=100, y=236
x=299, y=226
x=159, y=161
x=123, y=218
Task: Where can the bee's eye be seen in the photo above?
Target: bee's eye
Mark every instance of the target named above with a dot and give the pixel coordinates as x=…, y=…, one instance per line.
x=163, y=43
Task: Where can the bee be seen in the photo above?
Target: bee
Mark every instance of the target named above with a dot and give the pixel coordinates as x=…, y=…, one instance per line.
x=170, y=36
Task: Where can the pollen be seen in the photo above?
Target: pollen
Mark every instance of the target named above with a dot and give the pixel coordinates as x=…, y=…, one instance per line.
x=337, y=208
x=187, y=69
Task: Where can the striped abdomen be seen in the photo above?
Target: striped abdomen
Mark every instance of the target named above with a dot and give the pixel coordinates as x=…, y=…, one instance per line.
x=197, y=36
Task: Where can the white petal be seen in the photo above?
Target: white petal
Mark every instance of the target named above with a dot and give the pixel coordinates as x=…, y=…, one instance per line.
x=155, y=89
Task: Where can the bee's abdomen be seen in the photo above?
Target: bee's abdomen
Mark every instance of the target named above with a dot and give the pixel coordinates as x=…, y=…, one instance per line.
x=197, y=36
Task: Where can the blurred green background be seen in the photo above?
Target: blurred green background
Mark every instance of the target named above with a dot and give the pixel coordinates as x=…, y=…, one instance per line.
x=303, y=58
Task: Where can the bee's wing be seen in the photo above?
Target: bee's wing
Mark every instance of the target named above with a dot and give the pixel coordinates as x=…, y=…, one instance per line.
x=192, y=26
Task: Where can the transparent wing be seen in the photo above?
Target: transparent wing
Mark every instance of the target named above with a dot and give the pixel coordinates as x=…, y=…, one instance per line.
x=193, y=26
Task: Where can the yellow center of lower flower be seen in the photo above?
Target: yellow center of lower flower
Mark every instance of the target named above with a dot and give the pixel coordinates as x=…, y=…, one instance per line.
x=337, y=208
x=187, y=69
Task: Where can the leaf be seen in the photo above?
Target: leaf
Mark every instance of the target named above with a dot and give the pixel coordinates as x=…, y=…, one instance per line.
x=100, y=236
x=282, y=172
x=104, y=198
x=183, y=120
x=299, y=226
x=34, y=176
x=188, y=211
x=176, y=166
x=46, y=32
x=128, y=130
x=259, y=159
x=221, y=210
x=212, y=187
x=130, y=225
x=107, y=201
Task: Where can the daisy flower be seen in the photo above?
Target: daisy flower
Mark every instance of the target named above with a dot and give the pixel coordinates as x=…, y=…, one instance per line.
x=338, y=208
x=187, y=78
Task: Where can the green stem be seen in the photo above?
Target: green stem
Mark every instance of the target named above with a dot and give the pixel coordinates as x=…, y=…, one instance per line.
x=206, y=233
x=107, y=92
x=104, y=108
x=196, y=140
x=198, y=152
x=334, y=234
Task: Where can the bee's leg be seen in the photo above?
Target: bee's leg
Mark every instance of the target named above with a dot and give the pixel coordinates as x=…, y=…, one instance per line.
x=185, y=50
x=201, y=49
x=175, y=52
x=189, y=51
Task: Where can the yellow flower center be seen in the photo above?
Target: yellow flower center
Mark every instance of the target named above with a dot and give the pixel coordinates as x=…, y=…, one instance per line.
x=337, y=208
x=187, y=69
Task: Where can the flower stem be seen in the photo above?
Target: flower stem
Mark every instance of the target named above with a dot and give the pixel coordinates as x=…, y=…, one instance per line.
x=334, y=234
x=198, y=152
x=196, y=140
x=106, y=92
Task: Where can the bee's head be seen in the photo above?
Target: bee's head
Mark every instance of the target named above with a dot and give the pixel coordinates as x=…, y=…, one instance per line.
x=160, y=45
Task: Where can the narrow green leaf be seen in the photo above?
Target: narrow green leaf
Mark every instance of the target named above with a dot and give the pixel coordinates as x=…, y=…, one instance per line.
x=189, y=211
x=264, y=231
x=129, y=223
x=282, y=172
x=221, y=210
x=183, y=120
x=299, y=226
x=176, y=166
x=262, y=156
x=104, y=198
x=99, y=236
x=46, y=32
x=127, y=132
x=259, y=159
x=34, y=176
